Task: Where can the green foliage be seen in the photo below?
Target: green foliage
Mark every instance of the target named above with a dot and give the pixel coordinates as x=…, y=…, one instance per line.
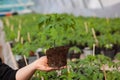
x=117, y=56
x=23, y=49
x=75, y=49
x=55, y=29
x=62, y=29
x=85, y=69
x=113, y=75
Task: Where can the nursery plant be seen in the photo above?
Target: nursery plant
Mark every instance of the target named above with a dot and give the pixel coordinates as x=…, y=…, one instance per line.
x=106, y=42
x=74, y=52
x=54, y=36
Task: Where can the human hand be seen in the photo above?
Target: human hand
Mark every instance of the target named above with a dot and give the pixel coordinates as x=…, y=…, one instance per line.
x=41, y=64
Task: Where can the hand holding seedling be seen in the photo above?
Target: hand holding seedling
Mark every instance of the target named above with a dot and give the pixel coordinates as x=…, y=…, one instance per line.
x=42, y=64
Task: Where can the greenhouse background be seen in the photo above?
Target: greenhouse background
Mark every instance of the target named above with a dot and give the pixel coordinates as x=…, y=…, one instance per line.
x=100, y=8
x=82, y=34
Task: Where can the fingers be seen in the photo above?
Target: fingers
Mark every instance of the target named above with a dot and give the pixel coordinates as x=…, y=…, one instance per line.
x=47, y=68
x=63, y=67
x=59, y=68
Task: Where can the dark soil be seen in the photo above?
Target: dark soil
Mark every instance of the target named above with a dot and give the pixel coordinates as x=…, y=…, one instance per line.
x=57, y=56
x=109, y=53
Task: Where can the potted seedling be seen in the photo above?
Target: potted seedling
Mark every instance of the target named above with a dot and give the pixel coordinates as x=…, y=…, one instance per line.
x=74, y=52
x=40, y=52
x=106, y=42
x=56, y=30
x=88, y=50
